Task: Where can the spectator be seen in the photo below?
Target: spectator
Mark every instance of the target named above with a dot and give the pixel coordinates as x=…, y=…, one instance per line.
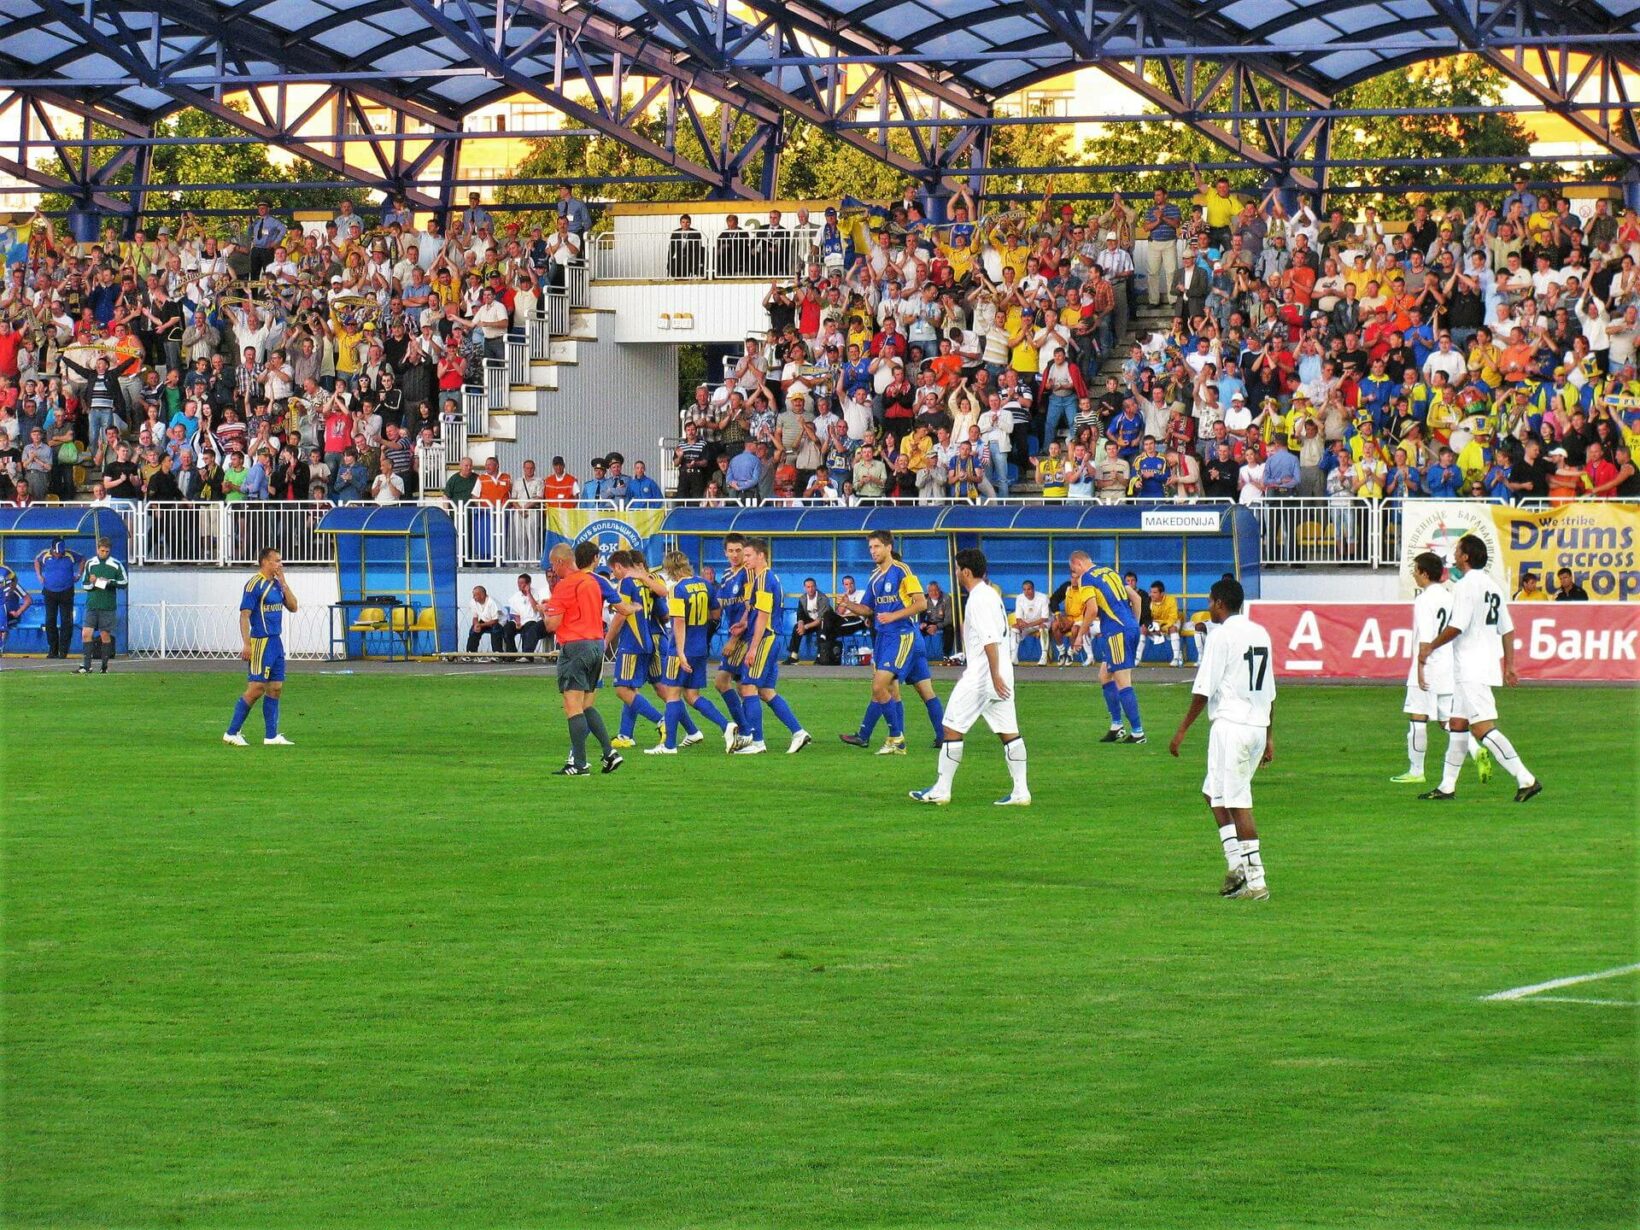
x=387, y=487
x=1567, y=589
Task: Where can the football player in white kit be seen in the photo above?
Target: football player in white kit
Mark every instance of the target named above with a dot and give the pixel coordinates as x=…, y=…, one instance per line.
x=986, y=689
x=1429, y=687
x=1481, y=634
x=1236, y=684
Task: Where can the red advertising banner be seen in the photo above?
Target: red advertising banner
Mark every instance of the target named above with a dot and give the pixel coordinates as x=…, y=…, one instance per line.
x=1596, y=642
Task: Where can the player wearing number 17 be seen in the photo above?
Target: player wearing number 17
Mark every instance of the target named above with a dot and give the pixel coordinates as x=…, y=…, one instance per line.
x=262, y=608
x=1236, y=686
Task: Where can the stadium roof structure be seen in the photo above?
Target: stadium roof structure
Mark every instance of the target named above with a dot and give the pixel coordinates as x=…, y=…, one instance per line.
x=1259, y=77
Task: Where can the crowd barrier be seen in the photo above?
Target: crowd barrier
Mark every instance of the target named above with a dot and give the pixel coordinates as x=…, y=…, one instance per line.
x=1587, y=535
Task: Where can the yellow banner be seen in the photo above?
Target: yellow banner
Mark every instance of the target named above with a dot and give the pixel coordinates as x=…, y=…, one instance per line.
x=1597, y=540
x=627, y=530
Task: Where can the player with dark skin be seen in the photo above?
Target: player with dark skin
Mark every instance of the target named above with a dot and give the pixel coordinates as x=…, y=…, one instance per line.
x=1241, y=817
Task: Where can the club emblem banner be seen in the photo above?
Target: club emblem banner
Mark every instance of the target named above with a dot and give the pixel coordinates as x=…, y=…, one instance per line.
x=627, y=530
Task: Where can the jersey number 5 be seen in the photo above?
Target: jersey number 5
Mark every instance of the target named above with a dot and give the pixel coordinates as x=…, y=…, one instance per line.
x=1258, y=662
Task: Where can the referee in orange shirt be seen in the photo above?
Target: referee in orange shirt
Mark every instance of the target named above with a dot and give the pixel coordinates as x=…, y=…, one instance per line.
x=575, y=612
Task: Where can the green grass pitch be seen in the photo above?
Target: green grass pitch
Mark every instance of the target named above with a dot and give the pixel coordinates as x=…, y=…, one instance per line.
x=398, y=976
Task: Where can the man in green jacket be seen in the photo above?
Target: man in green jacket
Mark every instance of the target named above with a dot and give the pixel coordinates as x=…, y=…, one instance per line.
x=102, y=580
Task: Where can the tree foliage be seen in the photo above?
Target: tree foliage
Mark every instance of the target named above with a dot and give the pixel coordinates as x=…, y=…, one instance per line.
x=244, y=162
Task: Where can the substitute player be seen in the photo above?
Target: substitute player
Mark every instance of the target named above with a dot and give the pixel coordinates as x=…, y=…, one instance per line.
x=1100, y=594
x=1483, y=656
x=1429, y=686
x=894, y=600
x=1165, y=625
x=574, y=613
x=1237, y=686
x=986, y=689
x=262, y=606
x=14, y=600
x=730, y=602
x=687, y=643
x=760, y=670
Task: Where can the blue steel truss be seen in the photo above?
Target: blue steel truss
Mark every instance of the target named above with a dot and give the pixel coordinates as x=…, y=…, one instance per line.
x=1258, y=77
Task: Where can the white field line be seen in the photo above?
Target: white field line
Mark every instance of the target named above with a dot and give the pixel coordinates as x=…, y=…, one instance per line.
x=1554, y=984
x=1572, y=999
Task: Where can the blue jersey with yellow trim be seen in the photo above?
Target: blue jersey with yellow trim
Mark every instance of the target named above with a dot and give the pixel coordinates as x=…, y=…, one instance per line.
x=764, y=593
x=638, y=628
x=264, y=598
x=891, y=589
x=1108, y=593
x=731, y=596
x=691, y=601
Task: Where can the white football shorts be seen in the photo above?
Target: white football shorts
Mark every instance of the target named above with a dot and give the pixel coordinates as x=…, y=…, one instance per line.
x=972, y=700
x=1233, y=753
x=1437, y=705
x=1473, y=702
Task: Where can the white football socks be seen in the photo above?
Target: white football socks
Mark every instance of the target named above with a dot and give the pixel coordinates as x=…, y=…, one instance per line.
x=1457, y=751
x=1232, y=847
x=1417, y=747
x=1504, y=753
x=950, y=757
x=1014, y=753
x=1255, y=863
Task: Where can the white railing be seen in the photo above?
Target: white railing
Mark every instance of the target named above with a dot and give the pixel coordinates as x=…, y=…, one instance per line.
x=495, y=386
x=228, y=534
x=557, y=315
x=290, y=525
x=540, y=339
x=575, y=283
x=491, y=537
x=651, y=255
x=432, y=464
x=518, y=359
x=182, y=534
x=475, y=411
x=187, y=630
x=1343, y=530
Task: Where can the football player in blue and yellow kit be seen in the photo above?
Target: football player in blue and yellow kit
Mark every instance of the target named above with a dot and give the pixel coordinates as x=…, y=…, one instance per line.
x=730, y=601
x=1107, y=599
x=894, y=599
x=262, y=608
x=686, y=645
x=14, y=600
x=760, y=669
x=634, y=645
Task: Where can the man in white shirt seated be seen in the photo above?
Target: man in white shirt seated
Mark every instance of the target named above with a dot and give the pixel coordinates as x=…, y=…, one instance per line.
x=1030, y=619
x=486, y=621
x=524, y=630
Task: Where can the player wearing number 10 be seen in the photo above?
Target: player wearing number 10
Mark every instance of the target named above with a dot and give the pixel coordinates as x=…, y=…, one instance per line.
x=1236, y=686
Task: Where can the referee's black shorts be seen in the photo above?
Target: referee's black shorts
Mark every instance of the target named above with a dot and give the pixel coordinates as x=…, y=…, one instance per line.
x=580, y=666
